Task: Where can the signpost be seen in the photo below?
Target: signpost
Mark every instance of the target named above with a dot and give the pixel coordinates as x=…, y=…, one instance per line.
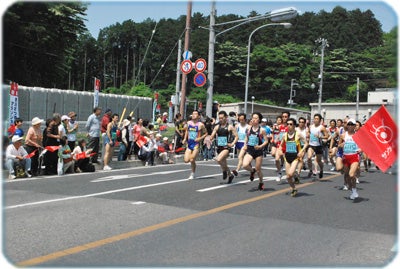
x=200, y=65
x=199, y=79
x=186, y=66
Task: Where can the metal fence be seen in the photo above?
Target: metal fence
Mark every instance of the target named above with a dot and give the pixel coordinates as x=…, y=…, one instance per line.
x=42, y=103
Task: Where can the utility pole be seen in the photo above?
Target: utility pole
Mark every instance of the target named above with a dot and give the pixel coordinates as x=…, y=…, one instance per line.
x=178, y=64
x=358, y=97
x=210, y=75
x=324, y=43
x=187, y=40
x=292, y=92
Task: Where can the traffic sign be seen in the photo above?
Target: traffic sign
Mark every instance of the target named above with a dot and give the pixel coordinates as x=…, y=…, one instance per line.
x=186, y=66
x=200, y=65
x=187, y=55
x=199, y=79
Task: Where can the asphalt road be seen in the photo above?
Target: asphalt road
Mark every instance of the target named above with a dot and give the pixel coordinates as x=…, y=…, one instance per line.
x=154, y=216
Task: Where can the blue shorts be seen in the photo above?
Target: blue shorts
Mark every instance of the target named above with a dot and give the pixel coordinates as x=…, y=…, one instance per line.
x=239, y=145
x=192, y=144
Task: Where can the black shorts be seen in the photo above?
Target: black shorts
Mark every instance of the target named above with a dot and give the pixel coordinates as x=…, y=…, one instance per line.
x=220, y=149
x=254, y=152
x=317, y=149
x=290, y=157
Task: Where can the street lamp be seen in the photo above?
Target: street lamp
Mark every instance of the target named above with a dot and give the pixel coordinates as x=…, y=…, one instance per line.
x=284, y=24
x=252, y=104
x=275, y=16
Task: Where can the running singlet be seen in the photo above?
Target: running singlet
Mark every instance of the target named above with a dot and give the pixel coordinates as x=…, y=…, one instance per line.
x=254, y=137
x=223, y=135
x=315, y=132
x=241, y=134
x=350, y=147
x=193, y=129
x=303, y=133
x=293, y=147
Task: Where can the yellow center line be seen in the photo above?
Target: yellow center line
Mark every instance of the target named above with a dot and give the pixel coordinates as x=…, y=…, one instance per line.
x=116, y=238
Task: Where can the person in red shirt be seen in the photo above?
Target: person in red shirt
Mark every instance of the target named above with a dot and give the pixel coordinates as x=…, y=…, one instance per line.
x=103, y=128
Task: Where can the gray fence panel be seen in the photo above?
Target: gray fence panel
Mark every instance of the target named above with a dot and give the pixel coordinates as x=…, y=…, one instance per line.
x=55, y=99
x=70, y=101
x=85, y=105
x=38, y=101
x=24, y=104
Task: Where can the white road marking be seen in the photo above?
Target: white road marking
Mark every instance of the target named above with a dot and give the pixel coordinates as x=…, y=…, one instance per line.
x=129, y=176
x=138, y=203
x=235, y=183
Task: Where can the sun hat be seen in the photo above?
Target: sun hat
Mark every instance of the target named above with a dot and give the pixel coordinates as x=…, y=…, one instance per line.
x=16, y=138
x=36, y=120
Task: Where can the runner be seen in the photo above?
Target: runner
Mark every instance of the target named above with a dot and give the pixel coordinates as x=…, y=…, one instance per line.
x=241, y=128
x=351, y=157
x=293, y=141
x=317, y=132
x=224, y=132
x=332, y=142
x=195, y=132
x=254, y=148
x=303, y=130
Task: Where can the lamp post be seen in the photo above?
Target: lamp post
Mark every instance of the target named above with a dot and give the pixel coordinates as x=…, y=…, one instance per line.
x=286, y=25
x=324, y=43
x=252, y=104
x=275, y=16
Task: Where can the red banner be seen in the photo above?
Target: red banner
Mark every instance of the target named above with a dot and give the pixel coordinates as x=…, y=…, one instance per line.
x=378, y=139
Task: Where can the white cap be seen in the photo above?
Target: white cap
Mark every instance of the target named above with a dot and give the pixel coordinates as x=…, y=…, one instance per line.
x=165, y=138
x=65, y=117
x=16, y=138
x=352, y=121
x=264, y=120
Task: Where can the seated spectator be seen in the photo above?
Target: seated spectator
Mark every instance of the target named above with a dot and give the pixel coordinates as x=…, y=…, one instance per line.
x=64, y=152
x=81, y=156
x=16, y=157
x=165, y=152
x=147, y=151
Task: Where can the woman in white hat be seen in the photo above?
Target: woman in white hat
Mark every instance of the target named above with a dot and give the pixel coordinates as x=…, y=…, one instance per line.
x=33, y=141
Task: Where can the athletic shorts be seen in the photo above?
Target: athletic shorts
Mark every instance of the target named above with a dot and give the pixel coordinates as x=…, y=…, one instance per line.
x=350, y=159
x=317, y=149
x=220, y=149
x=254, y=152
x=192, y=145
x=339, y=153
x=239, y=145
x=290, y=157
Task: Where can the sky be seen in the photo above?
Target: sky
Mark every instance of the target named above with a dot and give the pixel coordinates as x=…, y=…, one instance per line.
x=101, y=14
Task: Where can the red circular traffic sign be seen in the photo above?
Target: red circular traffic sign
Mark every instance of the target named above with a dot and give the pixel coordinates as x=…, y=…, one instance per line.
x=199, y=79
x=186, y=66
x=200, y=65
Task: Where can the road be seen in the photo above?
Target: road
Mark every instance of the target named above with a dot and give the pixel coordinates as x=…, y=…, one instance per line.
x=154, y=216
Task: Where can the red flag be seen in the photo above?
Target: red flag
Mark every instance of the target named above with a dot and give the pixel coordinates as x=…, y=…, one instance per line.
x=141, y=141
x=177, y=150
x=52, y=148
x=378, y=139
x=30, y=155
x=161, y=149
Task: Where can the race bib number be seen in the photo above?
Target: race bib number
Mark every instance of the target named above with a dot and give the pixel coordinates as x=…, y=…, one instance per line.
x=241, y=136
x=314, y=139
x=350, y=148
x=192, y=135
x=253, y=140
x=222, y=141
x=291, y=147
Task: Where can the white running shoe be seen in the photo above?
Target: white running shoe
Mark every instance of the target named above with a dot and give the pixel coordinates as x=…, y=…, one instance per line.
x=333, y=169
x=279, y=176
x=11, y=176
x=191, y=176
x=107, y=168
x=357, y=181
x=345, y=188
x=353, y=194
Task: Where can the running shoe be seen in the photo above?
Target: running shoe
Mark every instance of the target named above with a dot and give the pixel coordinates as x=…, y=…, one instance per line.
x=235, y=173
x=191, y=176
x=353, y=194
x=28, y=173
x=296, y=180
x=107, y=168
x=345, y=188
x=261, y=186
x=279, y=176
x=224, y=175
x=252, y=174
x=321, y=174
x=293, y=193
x=333, y=169
x=230, y=178
x=357, y=181
x=310, y=174
x=11, y=176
